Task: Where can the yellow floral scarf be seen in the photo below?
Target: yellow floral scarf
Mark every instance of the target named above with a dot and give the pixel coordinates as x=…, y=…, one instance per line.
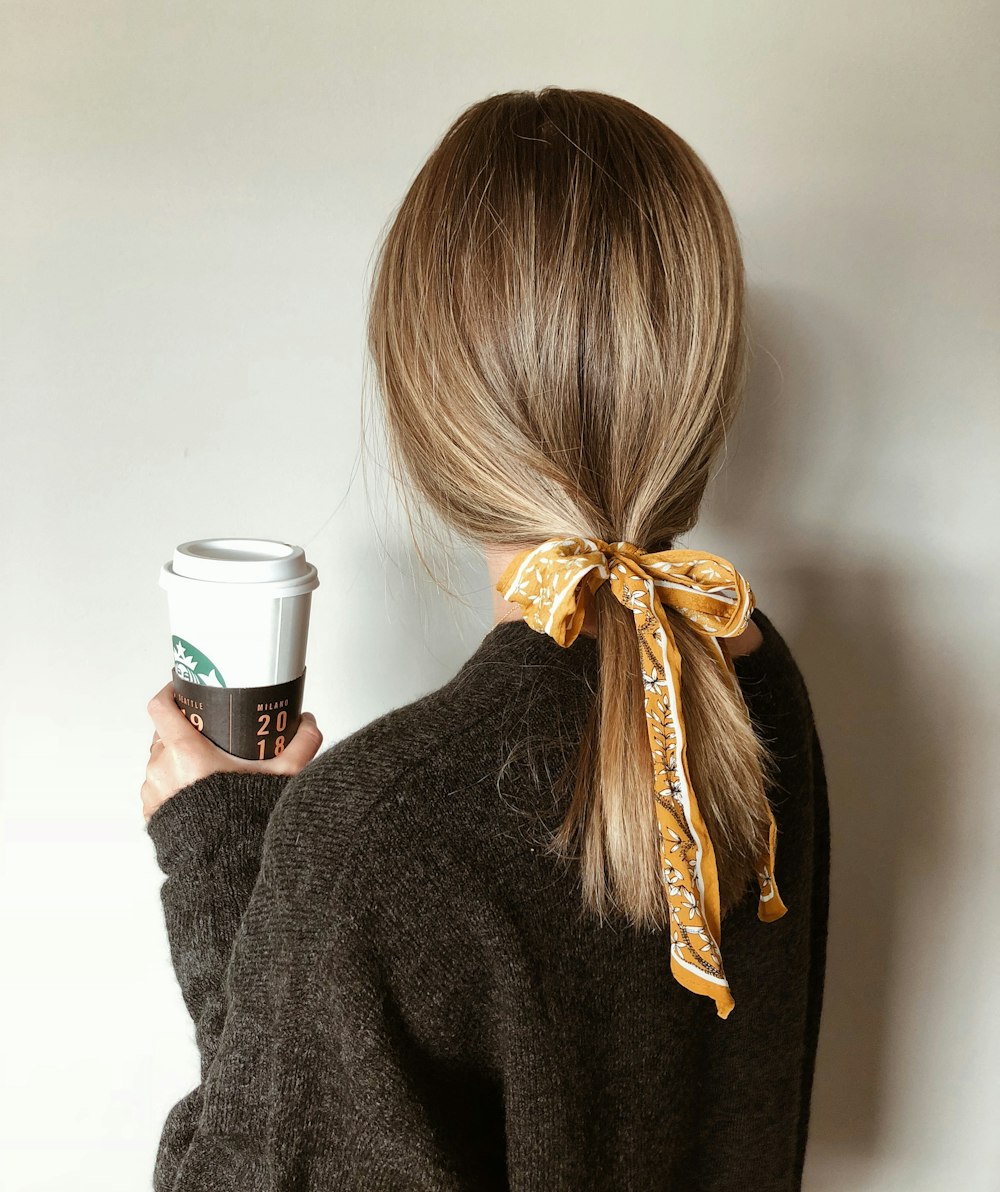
x=548, y=581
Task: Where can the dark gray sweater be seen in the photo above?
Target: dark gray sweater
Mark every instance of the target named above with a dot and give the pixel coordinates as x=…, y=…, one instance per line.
x=394, y=987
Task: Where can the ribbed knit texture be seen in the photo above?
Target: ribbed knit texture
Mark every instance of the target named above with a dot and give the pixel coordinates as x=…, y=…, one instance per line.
x=394, y=987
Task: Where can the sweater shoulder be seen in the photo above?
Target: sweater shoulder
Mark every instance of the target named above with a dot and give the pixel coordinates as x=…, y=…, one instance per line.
x=771, y=676
x=334, y=805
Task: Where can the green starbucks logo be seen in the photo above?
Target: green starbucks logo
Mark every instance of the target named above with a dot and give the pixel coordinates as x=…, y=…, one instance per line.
x=192, y=665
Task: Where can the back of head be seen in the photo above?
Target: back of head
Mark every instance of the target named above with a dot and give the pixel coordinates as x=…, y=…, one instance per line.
x=557, y=327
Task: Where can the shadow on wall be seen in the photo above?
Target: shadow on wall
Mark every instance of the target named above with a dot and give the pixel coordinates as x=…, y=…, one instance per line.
x=882, y=753
x=804, y=466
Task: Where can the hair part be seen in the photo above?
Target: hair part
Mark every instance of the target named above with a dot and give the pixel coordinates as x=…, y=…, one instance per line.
x=556, y=322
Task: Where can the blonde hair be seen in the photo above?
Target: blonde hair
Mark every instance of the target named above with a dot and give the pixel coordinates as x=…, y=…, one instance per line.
x=557, y=329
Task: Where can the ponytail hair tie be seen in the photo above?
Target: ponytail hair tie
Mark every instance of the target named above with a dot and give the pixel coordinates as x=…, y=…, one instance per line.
x=548, y=581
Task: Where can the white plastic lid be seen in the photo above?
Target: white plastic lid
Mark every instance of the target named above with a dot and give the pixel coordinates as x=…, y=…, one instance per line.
x=259, y=564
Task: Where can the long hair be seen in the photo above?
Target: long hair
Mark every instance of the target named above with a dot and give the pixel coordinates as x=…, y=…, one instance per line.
x=556, y=322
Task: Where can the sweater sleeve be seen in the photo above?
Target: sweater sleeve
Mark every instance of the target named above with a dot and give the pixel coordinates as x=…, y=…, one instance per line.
x=311, y=1077
x=208, y=839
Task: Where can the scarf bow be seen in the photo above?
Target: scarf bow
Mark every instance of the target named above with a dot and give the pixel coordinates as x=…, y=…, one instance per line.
x=549, y=582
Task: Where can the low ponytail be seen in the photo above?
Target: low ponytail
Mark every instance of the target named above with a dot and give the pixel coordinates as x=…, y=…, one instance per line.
x=610, y=826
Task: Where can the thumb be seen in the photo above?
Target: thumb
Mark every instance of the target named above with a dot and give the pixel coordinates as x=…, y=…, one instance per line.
x=304, y=746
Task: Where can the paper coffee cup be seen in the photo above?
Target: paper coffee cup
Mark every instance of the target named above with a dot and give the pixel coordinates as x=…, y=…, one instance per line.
x=239, y=623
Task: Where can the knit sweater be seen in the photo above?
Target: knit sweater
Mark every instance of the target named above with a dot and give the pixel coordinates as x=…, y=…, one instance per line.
x=394, y=986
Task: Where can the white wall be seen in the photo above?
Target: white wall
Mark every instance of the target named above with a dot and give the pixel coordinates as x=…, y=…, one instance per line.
x=191, y=193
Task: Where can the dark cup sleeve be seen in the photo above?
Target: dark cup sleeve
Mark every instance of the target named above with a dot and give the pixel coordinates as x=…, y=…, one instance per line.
x=249, y=722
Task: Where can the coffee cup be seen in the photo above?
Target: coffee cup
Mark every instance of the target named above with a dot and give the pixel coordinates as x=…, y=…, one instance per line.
x=239, y=623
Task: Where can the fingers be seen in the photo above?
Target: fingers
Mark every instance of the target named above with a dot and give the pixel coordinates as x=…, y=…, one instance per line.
x=170, y=722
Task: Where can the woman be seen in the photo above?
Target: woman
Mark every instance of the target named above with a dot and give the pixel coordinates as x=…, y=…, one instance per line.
x=479, y=943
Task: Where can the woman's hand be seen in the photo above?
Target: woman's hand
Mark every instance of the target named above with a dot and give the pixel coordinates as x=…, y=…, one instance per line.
x=180, y=754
